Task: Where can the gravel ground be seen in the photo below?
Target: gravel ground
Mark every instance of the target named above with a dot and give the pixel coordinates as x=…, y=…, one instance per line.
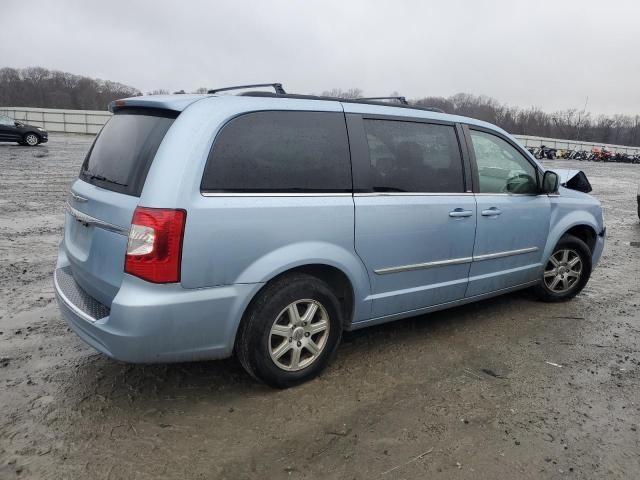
x=465, y=393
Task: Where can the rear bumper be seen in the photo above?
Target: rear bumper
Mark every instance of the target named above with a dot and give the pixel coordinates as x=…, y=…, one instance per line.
x=150, y=323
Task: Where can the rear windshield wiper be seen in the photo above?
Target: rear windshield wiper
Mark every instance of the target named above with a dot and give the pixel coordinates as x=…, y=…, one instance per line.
x=95, y=176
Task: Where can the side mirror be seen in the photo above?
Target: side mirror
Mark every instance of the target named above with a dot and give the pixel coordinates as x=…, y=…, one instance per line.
x=18, y=124
x=550, y=182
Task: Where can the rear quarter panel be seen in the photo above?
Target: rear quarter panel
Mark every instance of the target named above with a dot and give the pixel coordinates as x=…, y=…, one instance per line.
x=234, y=240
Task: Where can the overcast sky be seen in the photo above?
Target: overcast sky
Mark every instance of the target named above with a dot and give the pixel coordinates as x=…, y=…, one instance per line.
x=551, y=54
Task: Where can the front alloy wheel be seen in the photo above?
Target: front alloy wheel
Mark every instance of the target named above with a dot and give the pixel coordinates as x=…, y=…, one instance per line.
x=563, y=270
x=31, y=139
x=567, y=271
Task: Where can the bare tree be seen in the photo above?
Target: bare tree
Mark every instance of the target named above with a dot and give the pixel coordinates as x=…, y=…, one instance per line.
x=569, y=124
x=39, y=87
x=339, y=93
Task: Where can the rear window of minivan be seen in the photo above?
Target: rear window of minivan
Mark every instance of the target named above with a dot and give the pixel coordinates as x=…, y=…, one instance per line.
x=280, y=151
x=121, y=154
x=414, y=157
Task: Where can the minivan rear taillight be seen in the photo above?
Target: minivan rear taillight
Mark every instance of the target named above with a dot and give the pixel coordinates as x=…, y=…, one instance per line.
x=154, y=249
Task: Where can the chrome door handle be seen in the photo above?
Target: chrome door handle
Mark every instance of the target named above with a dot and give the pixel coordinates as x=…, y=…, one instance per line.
x=491, y=212
x=459, y=212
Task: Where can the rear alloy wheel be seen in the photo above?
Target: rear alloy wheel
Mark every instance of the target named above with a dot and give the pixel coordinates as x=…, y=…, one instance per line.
x=567, y=271
x=299, y=334
x=31, y=139
x=291, y=331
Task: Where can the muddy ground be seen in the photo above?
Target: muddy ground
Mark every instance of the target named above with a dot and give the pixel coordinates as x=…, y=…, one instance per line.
x=465, y=393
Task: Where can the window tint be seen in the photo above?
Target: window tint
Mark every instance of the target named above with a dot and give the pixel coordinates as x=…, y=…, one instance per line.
x=280, y=152
x=501, y=168
x=123, y=151
x=413, y=157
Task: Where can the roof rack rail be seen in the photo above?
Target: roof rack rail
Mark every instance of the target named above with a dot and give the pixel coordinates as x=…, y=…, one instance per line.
x=339, y=99
x=276, y=86
x=402, y=100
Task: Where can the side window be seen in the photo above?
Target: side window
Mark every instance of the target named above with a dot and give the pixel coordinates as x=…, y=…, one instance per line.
x=6, y=120
x=280, y=152
x=501, y=168
x=414, y=157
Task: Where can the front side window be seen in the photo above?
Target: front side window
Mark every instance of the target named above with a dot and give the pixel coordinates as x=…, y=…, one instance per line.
x=501, y=168
x=280, y=152
x=6, y=120
x=414, y=157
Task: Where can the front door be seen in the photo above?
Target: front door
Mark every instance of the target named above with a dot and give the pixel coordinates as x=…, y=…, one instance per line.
x=513, y=219
x=415, y=226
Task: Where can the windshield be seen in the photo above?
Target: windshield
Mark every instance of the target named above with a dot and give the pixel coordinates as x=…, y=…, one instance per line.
x=123, y=151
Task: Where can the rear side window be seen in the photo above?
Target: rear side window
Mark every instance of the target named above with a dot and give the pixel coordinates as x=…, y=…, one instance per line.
x=414, y=157
x=280, y=152
x=124, y=149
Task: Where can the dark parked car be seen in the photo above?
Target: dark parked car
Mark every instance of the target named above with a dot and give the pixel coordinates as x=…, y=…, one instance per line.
x=14, y=131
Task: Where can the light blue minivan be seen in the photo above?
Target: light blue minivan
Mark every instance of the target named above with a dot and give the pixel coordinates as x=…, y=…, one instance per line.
x=265, y=224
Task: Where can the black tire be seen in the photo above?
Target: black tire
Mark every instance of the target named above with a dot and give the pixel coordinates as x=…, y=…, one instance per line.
x=28, y=139
x=581, y=249
x=254, y=339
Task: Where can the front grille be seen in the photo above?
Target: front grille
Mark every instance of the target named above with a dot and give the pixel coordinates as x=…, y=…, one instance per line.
x=76, y=298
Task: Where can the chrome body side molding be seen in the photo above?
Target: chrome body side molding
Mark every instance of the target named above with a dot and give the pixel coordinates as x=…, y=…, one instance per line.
x=420, y=266
x=455, y=261
x=491, y=256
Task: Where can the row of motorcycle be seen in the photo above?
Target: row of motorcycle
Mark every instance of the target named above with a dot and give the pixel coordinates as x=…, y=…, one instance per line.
x=595, y=155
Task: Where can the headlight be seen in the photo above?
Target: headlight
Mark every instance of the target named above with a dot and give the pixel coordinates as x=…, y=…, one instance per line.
x=41, y=129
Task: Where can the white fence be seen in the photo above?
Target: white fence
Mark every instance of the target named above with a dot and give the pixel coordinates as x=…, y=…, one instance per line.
x=529, y=141
x=54, y=120
x=91, y=121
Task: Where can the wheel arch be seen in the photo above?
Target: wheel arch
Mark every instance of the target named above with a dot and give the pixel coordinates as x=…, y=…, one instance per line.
x=337, y=280
x=330, y=262
x=581, y=224
x=584, y=232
